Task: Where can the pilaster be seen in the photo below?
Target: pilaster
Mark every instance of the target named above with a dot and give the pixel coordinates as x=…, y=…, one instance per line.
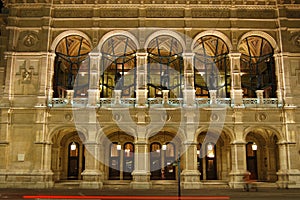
x=190, y=174
x=141, y=173
x=236, y=89
x=92, y=176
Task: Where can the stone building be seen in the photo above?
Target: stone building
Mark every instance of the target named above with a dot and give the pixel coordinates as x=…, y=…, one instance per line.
x=140, y=93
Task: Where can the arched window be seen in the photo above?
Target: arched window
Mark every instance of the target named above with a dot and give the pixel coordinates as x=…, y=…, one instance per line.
x=118, y=66
x=257, y=67
x=211, y=67
x=165, y=66
x=70, y=61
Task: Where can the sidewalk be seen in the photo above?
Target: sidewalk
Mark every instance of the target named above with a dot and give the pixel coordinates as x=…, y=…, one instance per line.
x=232, y=194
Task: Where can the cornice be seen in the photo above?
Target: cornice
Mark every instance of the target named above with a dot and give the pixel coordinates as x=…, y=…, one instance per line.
x=145, y=2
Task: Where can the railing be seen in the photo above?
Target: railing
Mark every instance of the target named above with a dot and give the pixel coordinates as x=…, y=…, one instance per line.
x=266, y=102
x=176, y=102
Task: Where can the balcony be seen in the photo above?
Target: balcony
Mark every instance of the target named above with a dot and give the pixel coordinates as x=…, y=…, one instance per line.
x=172, y=102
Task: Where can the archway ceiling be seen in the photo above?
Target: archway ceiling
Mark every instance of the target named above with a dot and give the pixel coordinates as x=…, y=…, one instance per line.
x=119, y=46
x=255, y=47
x=210, y=46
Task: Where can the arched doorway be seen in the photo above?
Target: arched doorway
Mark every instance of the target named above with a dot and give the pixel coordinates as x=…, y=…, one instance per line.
x=120, y=156
x=213, y=155
x=262, y=154
x=68, y=156
x=163, y=158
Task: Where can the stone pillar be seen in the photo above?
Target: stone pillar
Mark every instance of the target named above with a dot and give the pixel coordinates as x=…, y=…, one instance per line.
x=288, y=174
x=93, y=97
x=279, y=77
x=238, y=164
x=50, y=74
x=141, y=59
x=165, y=99
x=117, y=97
x=70, y=96
x=141, y=98
x=213, y=96
x=236, y=89
x=93, y=91
x=189, y=97
x=141, y=173
x=190, y=174
x=91, y=176
x=188, y=61
x=260, y=96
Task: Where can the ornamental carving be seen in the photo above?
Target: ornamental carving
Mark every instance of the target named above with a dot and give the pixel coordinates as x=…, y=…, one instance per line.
x=296, y=39
x=261, y=117
x=30, y=39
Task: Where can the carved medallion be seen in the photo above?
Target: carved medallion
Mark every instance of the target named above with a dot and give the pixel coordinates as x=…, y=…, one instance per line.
x=30, y=39
x=68, y=117
x=261, y=117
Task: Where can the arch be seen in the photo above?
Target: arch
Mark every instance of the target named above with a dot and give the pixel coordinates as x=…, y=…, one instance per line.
x=262, y=34
x=214, y=33
x=168, y=33
x=225, y=130
x=116, y=33
x=177, y=132
x=253, y=128
x=67, y=129
x=68, y=33
x=104, y=132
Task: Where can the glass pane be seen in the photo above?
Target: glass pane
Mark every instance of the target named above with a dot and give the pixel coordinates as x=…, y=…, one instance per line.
x=170, y=151
x=165, y=66
x=113, y=150
x=258, y=67
x=212, y=67
x=73, y=153
x=71, y=58
x=128, y=149
x=118, y=66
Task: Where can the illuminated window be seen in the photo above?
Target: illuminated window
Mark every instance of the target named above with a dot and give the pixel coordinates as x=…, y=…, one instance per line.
x=71, y=66
x=165, y=66
x=257, y=67
x=211, y=67
x=118, y=71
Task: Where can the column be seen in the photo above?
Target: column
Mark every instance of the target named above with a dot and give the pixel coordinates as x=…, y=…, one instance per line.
x=236, y=89
x=279, y=77
x=70, y=97
x=91, y=176
x=141, y=173
x=189, y=90
x=283, y=167
x=190, y=174
x=141, y=79
x=260, y=96
x=238, y=161
x=117, y=97
x=213, y=97
x=93, y=91
x=50, y=74
x=165, y=99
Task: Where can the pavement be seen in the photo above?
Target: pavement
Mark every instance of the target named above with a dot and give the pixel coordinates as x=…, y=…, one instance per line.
x=128, y=194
